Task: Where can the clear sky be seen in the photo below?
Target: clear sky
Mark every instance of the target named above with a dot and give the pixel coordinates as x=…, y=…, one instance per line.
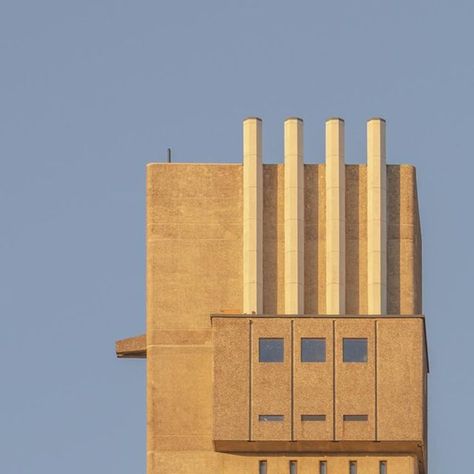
x=90, y=91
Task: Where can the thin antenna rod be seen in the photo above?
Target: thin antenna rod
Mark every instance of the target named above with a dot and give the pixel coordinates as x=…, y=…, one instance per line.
x=169, y=155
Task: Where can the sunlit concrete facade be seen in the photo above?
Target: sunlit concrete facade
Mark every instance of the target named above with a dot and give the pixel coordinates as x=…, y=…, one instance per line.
x=284, y=323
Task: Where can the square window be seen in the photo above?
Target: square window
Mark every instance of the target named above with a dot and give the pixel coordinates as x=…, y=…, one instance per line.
x=270, y=349
x=354, y=349
x=313, y=349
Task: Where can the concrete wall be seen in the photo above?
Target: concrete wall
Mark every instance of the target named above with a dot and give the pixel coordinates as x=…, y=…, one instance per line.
x=388, y=388
x=194, y=268
x=194, y=229
x=270, y=391
x=232, y=394
x=187, y=463
x=403, y=242
x=274, y=239
x=403, y=236
x=355, y=383
x=313, y=383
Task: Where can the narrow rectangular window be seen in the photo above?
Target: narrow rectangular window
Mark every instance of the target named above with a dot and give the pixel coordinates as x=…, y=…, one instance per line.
x=383, y=467
x=313, y=417
x=313, y=349
x=262, y=467
x=352, y=467
x=355, y=417
x=270, y=349
x=293, y=467
x=270, y=417
x=322, y=467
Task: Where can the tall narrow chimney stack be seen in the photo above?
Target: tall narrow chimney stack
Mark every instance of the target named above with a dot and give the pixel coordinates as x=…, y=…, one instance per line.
x=376, y=217
x=253, y=216
x=335, y=217
x=294, y=216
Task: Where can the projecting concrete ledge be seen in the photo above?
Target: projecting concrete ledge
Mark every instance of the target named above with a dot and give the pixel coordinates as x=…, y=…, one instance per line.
x=131, y=347
x=411, y=448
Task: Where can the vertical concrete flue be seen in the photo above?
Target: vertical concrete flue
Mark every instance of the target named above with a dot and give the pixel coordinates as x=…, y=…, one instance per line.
x=252, y=216
x=294, y=216
x=376, y=217
x=349, y=236
x=335, y=217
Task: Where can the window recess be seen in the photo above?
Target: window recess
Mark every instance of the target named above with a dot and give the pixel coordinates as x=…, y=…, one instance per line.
x=313, y=417
x=355, y=417
x=270, y=349
x=313, y=349
x=270, y=418
x=354, y=349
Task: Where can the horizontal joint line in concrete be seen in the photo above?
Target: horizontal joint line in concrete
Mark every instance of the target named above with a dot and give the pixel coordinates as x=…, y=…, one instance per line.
x=206, y=345
x=194, y=239
x=319, y=316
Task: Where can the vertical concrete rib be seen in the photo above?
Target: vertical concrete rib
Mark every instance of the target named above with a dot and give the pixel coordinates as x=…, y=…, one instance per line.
x=253, y=216
x=250, y=381
x=292, y=380
x=294, y=216
x=376, y=217
x=335, y=218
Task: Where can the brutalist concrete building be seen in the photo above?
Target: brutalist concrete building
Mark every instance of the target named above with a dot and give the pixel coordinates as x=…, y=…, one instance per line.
x=285, y=331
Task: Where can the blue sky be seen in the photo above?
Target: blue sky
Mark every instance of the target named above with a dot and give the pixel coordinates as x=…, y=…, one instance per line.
x=90, y=91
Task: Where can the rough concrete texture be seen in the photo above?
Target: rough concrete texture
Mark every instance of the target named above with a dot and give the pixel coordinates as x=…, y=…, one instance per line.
x=313, y=386
x=180, y=462
x=205, y=387
x=232, y=394
x=270, y=382
x=388, y=388
x=355, y=382
x=274, y=239
x=132, y=347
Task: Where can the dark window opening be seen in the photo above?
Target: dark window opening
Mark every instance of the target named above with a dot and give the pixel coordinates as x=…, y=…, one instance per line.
x=322, y=467
x=354, y=349
x=383, y=467
x=271, y=417
x=270, y=349
x=313, y=349
x=355, y=417
x=352, y=467
x=293, y=467
x=262, y=467
x=313, y=417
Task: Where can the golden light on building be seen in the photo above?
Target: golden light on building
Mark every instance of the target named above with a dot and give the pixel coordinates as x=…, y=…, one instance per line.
x=284, y=323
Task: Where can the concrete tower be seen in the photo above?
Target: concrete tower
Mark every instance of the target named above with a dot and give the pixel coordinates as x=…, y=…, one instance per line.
x=284, y=321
